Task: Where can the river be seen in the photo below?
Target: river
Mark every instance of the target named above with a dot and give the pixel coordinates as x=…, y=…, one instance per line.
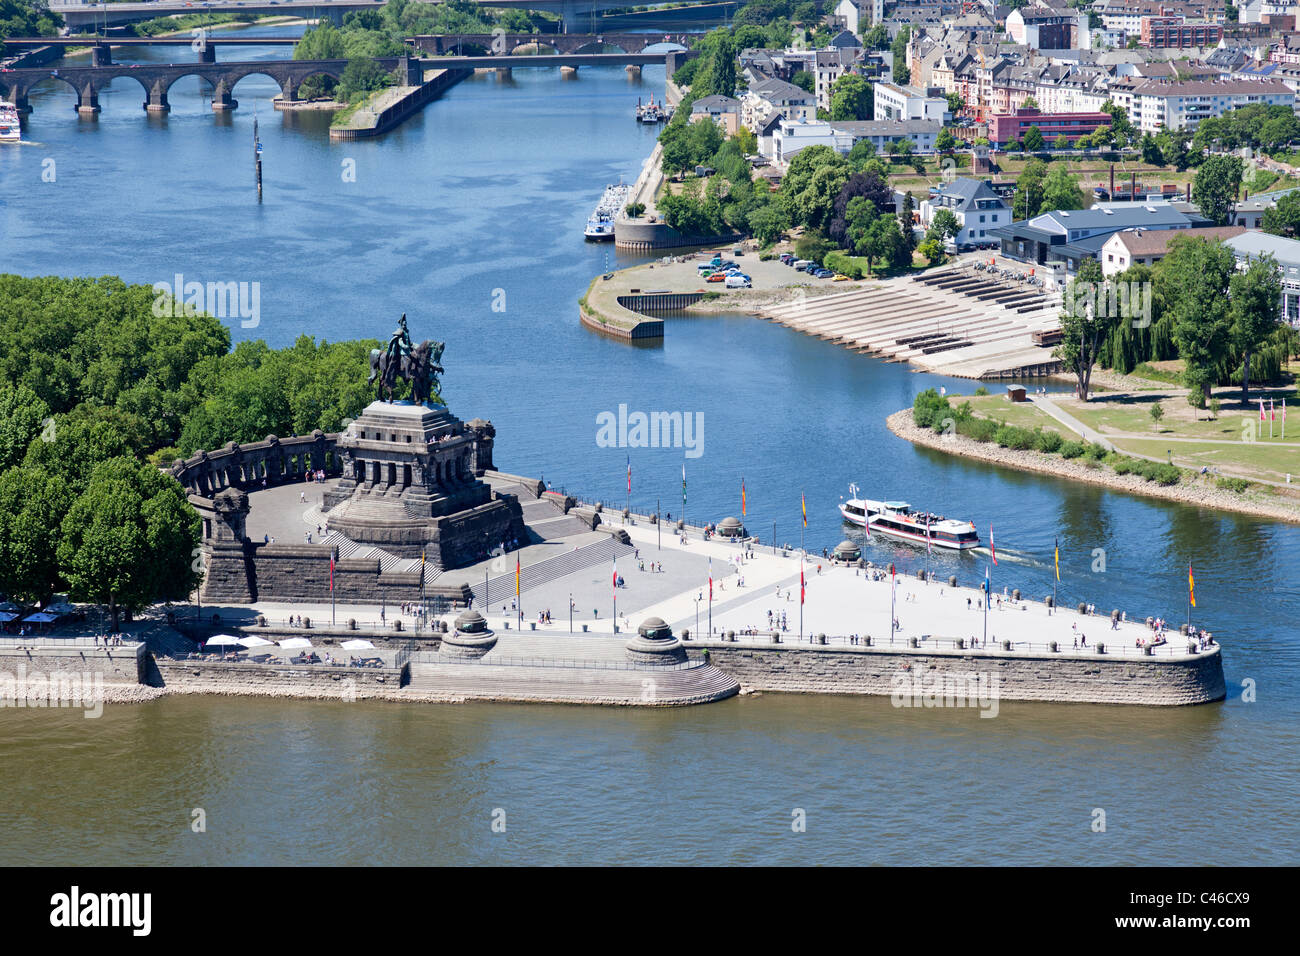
x=480, y=202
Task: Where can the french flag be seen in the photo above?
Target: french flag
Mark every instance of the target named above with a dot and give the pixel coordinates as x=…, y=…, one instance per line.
x=992, y=550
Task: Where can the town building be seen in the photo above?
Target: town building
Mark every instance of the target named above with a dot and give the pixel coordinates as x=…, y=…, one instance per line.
x=977, y=207
x=1154, y=105
x=894, y=102
x=1067, y=237
x=1164, y=32
x=723, y=110
x=770, y=96
x=1012, y=127
x=1045, y=28
x=1146, y=247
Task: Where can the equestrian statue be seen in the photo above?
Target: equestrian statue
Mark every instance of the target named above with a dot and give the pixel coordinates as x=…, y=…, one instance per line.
x=402, y=361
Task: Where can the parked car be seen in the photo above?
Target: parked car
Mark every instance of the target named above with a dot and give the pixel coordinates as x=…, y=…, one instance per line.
x=840, y=277
x=787, y=258
x=717, y=277
x=737, y=252
x=738, y=282
x=802, y=265
x=824, y=273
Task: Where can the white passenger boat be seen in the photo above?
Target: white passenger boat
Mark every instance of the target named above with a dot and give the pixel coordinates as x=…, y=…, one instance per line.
x=897, y=520
x=11, y=130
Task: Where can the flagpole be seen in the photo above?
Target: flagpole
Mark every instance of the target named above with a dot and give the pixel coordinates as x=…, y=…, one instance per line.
x=892, y=593
x=987, y=590
x=659, y=524
x=710, y=597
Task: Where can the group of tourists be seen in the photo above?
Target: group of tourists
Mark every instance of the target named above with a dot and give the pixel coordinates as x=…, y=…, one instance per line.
x=111, y=640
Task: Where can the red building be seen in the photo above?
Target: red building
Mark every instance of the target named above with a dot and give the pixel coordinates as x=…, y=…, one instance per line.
x=1163, y=32
x=1008, y=127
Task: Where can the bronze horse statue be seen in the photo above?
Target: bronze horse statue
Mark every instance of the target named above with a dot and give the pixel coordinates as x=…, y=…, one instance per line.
x=418, y=365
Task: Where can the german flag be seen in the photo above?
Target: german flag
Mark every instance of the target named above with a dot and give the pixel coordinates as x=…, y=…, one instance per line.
x=1058, y=558
x=803, y=505
x=743, y=502
x=1191, y=586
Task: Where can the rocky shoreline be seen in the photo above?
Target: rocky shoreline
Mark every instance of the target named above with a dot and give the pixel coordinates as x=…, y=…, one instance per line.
x=1201, y=492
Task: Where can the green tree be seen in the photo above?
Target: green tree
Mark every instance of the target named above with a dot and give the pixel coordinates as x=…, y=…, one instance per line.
x=955, y=103
x=766, y=223
x=1214, y=190
x=1061, y=190
x=1033, y=139
x=1284, y=218
x=1157, y=413
x=362, y=75
x=129, y=539
x=1151, y=154
x=877, y=38
x=932, y=249
x=944, y=225
x=22, y=417
x=862, y=152
x=1193, y=280
x=32, y=505
x=804, y=80
x=1027, y=201
x=1029, y=104
x=1062, y=142
x=321, y=42
x=902, y=73
x=1086, y=322
x=1255, y=295
x=945, y=142
x=851, y=98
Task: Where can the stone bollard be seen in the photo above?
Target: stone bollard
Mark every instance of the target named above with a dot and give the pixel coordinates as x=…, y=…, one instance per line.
x=1182, y=629
x=681, y=524
x=1101, y=648
x=686, y=634
x=912, y=642
x=654, y=519
x=306, y=622
x=1015, y=594
x=352, y=624
x=1006, y=645
x=961, y=643
x=1148, y=650
x=261, y=620
x=1083, y=608
x=598, y=507
x=1055, y=647
x=776, y=637
x=397, y=625
x=867, y=640
x=821, y=638
x=584, y=628
x=442, y=626
x=1049, y=601
x=532, y=625
x=952, y=580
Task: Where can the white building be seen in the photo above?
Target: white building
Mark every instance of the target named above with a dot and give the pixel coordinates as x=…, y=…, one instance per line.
x=1153, y=105
x=791, y=136
x=763, y=99
x=898, y=103
x=860, y=15
x=977, y=207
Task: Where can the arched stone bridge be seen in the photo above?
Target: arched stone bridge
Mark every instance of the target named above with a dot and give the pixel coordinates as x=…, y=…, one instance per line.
x=156, y=79
x=503, y=44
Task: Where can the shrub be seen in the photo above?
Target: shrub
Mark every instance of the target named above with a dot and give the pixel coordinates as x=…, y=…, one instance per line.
x=1094, y=452
x=634, y=209
x=1071, y=449
x=1019, y=439
x=980, y=429
x=1125, y=466
x=1161, y=473
x=930, y=408
x=981, y=391
x=1049, y=441
x=1233, y=484
x=846, y=265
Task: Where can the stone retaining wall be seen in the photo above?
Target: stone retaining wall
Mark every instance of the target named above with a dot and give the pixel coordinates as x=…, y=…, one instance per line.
x=117, y=665
x=278, y=680
x=874, y=671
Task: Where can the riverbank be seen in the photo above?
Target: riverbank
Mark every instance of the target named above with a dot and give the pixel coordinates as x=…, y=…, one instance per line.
x=1199, y=490
x=387, y=109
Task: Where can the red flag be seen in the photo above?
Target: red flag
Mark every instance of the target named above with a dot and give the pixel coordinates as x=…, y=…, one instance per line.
x=928, y=549
x=992, y=549
x=710, y=579
x=742, y=497
x=331, y=570
x=615, y=582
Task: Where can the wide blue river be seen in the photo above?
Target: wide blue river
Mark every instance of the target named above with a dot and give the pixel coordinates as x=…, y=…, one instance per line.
x=480, y=201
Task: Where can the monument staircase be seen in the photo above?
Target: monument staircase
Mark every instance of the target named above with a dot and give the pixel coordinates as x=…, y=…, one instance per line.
x=550, y=569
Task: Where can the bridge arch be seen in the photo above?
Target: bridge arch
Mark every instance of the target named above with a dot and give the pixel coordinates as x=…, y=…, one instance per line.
x=599, y=47
x=532, y=47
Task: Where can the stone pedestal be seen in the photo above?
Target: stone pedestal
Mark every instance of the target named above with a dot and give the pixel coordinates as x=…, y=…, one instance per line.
x=409, y=487
x=654, y=644
x=470, y=638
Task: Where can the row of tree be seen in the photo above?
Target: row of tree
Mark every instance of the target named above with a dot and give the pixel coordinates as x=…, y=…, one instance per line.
x=1194, y=305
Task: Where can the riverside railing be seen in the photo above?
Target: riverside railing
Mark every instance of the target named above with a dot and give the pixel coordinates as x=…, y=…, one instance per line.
x=19, y=643
x=927, y=642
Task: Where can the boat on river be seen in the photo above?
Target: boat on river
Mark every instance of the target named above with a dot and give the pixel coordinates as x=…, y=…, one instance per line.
x=897, y=519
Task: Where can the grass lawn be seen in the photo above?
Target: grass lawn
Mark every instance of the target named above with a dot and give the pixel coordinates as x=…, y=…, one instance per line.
x=1243, y=459
x=1022, y=414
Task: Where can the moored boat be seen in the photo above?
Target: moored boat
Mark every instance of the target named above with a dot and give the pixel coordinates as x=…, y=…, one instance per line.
x=11, y=130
